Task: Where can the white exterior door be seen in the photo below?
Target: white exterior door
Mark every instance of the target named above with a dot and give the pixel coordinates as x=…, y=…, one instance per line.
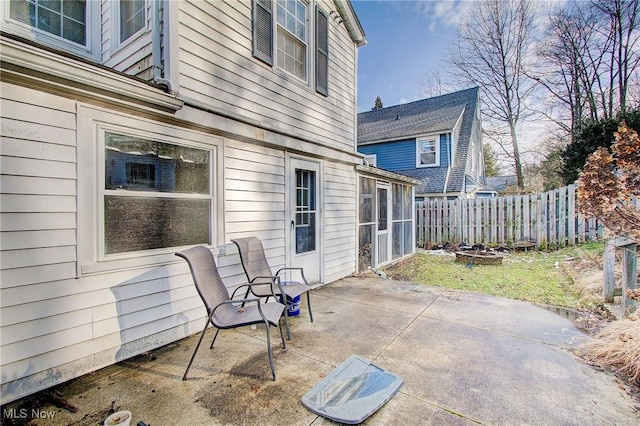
x=383, y=212
x=304, y=247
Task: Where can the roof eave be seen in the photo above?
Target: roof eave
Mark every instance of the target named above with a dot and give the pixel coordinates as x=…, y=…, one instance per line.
x=351, y=21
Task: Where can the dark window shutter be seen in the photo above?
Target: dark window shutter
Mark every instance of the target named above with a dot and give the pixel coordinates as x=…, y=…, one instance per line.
x=262, y=31
x=322, y=52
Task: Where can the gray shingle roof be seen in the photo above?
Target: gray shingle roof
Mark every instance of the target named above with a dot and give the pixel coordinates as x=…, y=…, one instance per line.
x=500, y=183
x=432, y=115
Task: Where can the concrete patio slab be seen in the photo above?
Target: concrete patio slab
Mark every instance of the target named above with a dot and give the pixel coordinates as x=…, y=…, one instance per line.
x=465, y=359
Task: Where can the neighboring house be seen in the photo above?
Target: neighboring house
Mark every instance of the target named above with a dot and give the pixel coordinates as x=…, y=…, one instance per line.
x=132, y=129
x=502, y=184
x=437, y=141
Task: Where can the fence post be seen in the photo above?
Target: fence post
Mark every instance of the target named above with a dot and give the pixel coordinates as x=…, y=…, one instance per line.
x=609, y=270
x=629, y=276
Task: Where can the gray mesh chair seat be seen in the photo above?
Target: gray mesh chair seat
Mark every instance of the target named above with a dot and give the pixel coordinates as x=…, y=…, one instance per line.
x=224, y=312
x=258, y=271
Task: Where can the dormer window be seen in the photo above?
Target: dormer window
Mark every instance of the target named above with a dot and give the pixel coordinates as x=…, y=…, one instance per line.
x=428, y=152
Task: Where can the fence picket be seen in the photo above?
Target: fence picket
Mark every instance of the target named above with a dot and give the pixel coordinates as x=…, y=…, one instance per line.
x=550, y=218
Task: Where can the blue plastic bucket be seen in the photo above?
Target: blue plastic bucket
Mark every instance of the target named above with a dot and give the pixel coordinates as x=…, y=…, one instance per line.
x=293, y=303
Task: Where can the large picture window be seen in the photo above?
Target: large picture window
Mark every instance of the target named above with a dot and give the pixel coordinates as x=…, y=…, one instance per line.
x=156, y=194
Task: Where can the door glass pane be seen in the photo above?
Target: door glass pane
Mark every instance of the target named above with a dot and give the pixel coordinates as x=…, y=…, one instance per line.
x=305, y=221
x=382, y=209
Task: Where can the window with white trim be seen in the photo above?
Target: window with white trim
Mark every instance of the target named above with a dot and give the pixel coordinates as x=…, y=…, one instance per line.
x=428, y=152
x=64, y=24
x=157, y=194
x=371, y=159
x=287, y=24
x=131, y=18
x=291, y=36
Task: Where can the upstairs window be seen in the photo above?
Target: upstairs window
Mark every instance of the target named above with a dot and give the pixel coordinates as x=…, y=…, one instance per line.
x=292, y=37
x=132, y=18
x=283, y=35
x=428, y=152
x=62, y=18
x=63, y=24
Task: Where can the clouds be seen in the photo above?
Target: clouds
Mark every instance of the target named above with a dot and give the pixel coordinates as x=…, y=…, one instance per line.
x=443, y=13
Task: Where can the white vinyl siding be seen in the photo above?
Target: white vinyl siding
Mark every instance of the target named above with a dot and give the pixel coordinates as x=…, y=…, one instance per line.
x=218, y=70
x=255, y=201
x=340, y=220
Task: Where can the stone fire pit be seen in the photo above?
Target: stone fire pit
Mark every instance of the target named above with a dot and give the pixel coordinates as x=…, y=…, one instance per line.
x=478, y=258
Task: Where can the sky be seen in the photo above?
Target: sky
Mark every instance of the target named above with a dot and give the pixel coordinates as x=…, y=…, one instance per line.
x=406, y=39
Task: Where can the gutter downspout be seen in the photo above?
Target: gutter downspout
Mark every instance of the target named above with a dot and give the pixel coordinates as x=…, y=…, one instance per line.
x=156, y=48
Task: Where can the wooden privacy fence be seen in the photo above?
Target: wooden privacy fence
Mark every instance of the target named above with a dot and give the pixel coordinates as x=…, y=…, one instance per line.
x=551, y=219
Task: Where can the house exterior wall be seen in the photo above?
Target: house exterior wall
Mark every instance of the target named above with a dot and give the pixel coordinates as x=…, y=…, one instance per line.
x=67, y=308
x=401, y=155
x=217, y=70
x=475, y=159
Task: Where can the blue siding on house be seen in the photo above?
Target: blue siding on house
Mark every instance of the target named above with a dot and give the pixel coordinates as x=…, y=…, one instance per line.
x=393, y=156
x=401, y=155
x=444, y=151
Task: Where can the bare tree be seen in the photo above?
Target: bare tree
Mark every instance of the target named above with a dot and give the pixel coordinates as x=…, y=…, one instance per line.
x=490, y=52
x=588, y=60
x=621, y=20
x=433, y=83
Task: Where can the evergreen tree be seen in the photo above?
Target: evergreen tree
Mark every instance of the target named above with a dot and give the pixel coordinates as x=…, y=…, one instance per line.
x=490, y=161
x=591, y=135
x=377, y=104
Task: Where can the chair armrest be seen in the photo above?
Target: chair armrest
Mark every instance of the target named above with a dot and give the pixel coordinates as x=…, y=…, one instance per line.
x=273, y=278
x=251, y=284
x=243, y=301
x=294, y=269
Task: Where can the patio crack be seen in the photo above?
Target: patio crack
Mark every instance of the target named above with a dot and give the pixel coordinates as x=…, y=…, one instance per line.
x=418, y=315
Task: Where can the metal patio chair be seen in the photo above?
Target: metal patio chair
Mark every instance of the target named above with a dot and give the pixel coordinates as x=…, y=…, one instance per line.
x=224, y=312
x=257, y=270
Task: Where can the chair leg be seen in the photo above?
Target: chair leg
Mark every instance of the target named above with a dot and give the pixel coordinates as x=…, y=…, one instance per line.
x=309, y=305
x=284, y=345
x=273, y=368
x=214, y=338
x=206, y=324
x=286, y=320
